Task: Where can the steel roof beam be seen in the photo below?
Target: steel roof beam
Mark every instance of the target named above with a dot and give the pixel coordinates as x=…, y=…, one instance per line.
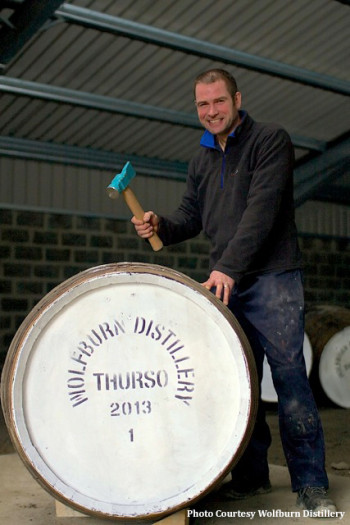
x=116, y=105
x=28, y=17
x=88, y=100
x=315, y=174
x=194, y=46
x=90, y=158
x=333, y=194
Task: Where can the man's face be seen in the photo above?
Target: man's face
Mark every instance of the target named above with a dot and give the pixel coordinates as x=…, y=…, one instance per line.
x=217, y=112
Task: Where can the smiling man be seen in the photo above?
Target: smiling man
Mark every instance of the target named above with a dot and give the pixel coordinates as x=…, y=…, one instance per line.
x=240, y=193
x=218, y=110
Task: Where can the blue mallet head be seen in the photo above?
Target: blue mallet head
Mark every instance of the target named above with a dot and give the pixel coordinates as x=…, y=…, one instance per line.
x=121, y=181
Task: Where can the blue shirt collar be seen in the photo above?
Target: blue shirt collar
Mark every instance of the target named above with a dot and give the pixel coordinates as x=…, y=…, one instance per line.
x=208, y=140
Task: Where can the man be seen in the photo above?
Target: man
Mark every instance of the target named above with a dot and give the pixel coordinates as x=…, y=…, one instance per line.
x=240, y=192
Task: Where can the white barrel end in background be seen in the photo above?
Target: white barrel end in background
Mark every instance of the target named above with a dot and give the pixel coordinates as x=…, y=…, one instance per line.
x=328, y=327
x=268, y=392
x=334, y=368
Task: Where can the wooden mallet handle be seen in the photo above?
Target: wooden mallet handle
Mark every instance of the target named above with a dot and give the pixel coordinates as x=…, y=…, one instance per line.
x=137, y=210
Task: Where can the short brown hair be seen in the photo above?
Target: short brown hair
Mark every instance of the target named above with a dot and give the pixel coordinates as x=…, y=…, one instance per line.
x=213, y=75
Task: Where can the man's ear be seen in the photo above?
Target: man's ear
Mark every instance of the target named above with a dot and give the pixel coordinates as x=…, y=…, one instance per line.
x=238, y=99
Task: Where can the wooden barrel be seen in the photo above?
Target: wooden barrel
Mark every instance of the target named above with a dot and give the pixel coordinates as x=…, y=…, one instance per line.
x=322, y=322
x=328, y=327
x=268, y=392
x=129, y=391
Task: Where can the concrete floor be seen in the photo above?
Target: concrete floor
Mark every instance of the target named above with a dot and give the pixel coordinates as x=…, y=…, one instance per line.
x=24, y=502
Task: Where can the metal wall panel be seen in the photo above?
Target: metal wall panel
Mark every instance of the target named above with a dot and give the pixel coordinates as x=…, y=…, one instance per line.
x=69, y=189
x=324, y=218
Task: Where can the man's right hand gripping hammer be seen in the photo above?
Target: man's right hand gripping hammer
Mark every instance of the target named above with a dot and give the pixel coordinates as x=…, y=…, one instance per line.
x=120, y=185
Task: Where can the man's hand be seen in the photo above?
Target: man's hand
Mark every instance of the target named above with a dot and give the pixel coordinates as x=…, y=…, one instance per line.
x=223, y=284
x=148, y=226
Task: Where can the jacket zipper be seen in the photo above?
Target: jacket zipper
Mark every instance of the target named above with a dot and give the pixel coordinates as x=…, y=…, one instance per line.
x=223, y=166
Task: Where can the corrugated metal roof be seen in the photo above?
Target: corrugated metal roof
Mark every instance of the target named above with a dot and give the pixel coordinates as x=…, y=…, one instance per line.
x=308, y=35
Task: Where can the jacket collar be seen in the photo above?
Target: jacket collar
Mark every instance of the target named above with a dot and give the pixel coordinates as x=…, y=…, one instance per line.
x=208, y=140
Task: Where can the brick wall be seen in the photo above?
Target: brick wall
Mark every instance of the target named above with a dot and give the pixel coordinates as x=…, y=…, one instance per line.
x=327, y=270
x=38, y=251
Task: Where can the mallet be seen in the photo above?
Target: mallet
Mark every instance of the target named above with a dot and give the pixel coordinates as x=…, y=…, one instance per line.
x=120, y=184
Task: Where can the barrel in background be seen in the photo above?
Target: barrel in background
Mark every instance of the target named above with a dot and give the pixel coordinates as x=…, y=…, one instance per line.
x=268, y=392
x=334, y=368
x=328, y=327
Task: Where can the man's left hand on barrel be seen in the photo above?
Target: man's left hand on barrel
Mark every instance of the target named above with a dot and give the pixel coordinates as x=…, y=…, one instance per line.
x=222, y=283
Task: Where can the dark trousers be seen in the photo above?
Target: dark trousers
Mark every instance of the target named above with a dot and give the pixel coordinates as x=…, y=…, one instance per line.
x=270, y=309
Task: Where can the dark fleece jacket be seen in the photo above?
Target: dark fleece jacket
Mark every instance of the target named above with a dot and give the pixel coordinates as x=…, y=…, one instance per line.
x=243, y=200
